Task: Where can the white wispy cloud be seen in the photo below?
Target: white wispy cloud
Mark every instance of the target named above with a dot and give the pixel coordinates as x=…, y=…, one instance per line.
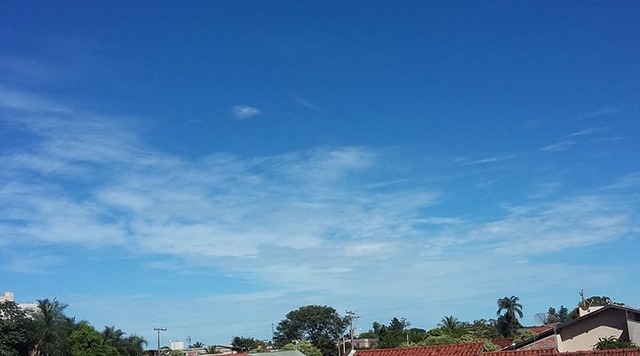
x=33, y=262
x=559, y=146
x=244, y=111
x=29, y=102
x=598, y=113
x=465, y=161
x=318, y=225
x=304, y=102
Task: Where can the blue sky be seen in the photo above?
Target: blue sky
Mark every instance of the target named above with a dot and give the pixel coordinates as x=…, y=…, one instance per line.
x=209, y=166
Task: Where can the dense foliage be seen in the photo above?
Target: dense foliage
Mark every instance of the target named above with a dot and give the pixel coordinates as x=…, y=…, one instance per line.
x=47, y=331
x=320, y=325
x=609, y=343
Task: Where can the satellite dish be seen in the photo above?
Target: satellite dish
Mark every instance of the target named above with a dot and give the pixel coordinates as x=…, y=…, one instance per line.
x=541, y=318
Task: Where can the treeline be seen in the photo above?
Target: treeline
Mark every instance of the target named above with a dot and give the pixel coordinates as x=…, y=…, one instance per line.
x=323, y=329
x=47, y=331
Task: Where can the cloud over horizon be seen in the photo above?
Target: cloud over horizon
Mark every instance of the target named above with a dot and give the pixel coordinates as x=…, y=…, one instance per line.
x=304, y=223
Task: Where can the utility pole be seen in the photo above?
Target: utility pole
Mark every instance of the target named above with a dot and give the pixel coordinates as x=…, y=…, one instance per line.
x=351, y=315
x=407, y=326
x=159, y=330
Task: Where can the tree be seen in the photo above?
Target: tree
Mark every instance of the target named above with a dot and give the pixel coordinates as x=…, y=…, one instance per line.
x=320, y=325
x=508, y=323
x=305, y=347
x=558, y=317
x=134, y=345
x=393, y=335
x=114, y=337
x=244, y=344
x=51, y=328
x=483, y=329
x=86, y=341
x=450, y=325
x=13, y=328
x=197, y=345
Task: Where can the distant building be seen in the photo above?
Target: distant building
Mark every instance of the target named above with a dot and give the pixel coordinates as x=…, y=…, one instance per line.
x=365, y=343
x=9, y=297
x=176, y=345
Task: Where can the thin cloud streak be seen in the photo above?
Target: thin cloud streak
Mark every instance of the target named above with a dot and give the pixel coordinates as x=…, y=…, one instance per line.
x=598, y=113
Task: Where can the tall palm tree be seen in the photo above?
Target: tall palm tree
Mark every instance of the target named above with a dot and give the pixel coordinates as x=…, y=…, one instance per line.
x=51, y=328
x=512, y=310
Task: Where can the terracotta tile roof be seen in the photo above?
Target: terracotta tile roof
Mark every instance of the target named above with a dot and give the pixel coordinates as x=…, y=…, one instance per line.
x=474, y=349
x=547, y=352
x=502, y=342
x=553, y=352
x=616, y=352
x=539, y=329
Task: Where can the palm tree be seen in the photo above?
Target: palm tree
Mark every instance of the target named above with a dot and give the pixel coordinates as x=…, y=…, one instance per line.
x=115, y=338
x=449, y=324
x=212, y=349
x=197, y=345
x=134, y=345
x=512, y=310
x=51, y=328
x=128, y=346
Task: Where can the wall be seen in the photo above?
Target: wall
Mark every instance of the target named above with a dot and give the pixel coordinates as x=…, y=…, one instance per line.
x=584, y=334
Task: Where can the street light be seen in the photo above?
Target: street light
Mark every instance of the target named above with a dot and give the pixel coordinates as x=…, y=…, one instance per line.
x=159, y=330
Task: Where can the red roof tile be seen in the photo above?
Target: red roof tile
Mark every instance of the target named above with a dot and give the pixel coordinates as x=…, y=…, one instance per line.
x=502, y=342
x=616, y=352
x=543, y=352
x=553, y=352
x=474, y=349
x=539, y=329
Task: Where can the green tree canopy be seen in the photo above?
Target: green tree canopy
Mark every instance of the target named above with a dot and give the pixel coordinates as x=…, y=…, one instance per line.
x=13, y=328
x=245, y=344
x=132, y=345
x=305, y=347
x=392, y=335
x=320, y=325
x=86, y=341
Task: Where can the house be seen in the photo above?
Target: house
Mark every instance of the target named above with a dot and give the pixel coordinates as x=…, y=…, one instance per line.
x=583, y=333
x=554, y=352
x=365, y=343
x=472, y=349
